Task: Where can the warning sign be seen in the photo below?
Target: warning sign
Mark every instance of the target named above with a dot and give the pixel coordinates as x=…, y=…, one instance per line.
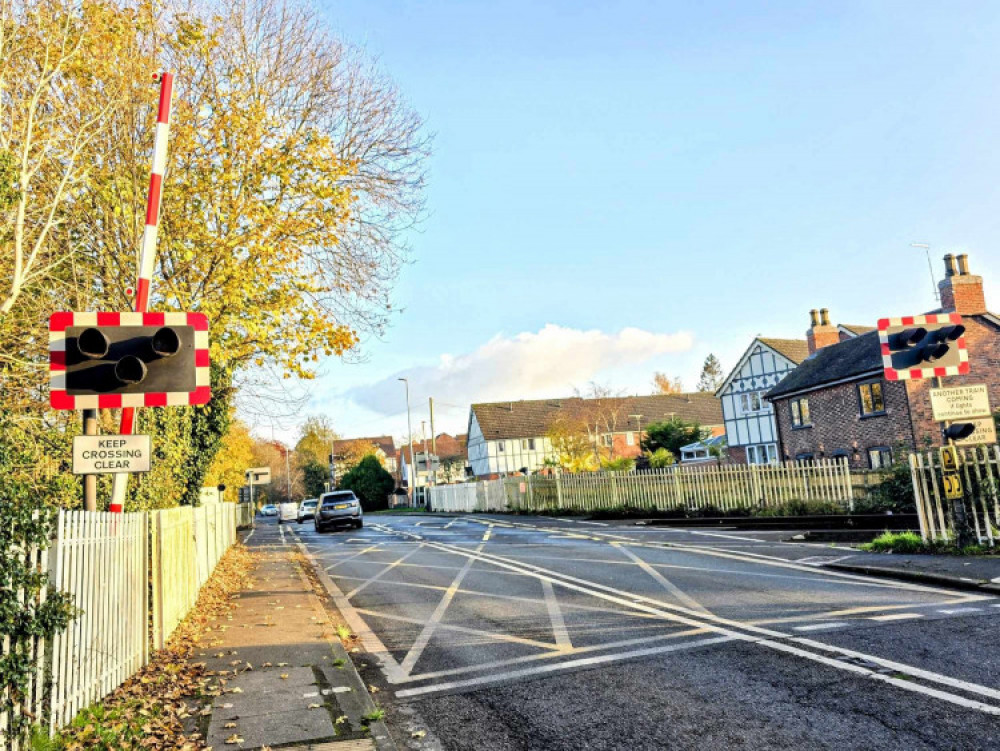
x=985, y=432
x=110, y=454
x=952, y=486
x=961, y=403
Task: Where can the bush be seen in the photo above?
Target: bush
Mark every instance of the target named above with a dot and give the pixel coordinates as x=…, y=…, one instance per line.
x=370, y=483
x=897, y=542
x=621, y=464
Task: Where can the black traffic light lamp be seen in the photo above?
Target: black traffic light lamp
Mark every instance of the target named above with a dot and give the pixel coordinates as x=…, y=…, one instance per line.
x=923, y=347
x=959, y=430
x=129, y=359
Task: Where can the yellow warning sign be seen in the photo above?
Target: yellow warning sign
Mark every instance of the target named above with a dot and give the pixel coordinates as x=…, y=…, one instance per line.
x=949, y=459
x=952, y=486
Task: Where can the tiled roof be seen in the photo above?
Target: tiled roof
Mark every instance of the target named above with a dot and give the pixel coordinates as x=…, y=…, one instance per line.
x=534, y=418
x=795, y=350
x=846, y=359
x=448, y=447
x=857, y=330
x=384, y=442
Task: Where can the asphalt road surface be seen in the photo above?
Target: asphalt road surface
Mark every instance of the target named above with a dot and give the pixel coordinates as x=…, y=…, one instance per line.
x=499, y=632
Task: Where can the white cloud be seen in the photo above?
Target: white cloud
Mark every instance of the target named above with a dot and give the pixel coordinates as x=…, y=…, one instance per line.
x=528, y=365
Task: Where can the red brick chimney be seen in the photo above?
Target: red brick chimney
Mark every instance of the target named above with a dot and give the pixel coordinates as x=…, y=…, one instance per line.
x=821, y=333
x=961, y=291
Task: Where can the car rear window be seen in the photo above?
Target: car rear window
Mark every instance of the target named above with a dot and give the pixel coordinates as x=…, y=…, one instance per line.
x=338, y=498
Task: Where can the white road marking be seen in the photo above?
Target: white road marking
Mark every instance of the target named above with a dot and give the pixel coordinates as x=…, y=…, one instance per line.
x=555, y=616
x=388, y=567
x=282, y=531
x=663, y=581
x=596, y=524
x=569, y=665
x=764, y=637
x=495, y=635
x=425, y=635
x=895, y=616
x=957, y=611
x=369, y=549
x=247, y=538
x=552, y=655
x=820, y=626
x=368, y=638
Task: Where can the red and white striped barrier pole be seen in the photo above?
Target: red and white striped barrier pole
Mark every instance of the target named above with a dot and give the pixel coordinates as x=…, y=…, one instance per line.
x=147, y=256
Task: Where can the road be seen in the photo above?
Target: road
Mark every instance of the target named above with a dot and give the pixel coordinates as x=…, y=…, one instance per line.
x=502, y=632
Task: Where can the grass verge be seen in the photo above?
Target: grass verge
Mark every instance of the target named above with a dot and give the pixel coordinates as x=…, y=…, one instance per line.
x=908, y=543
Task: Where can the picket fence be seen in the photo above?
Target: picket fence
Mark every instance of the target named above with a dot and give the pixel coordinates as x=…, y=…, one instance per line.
x=980, y=474
x=133, y=577
x=725, y=487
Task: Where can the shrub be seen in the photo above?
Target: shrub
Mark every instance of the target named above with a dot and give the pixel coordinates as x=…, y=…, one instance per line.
x=897, y=542
x=370, y=483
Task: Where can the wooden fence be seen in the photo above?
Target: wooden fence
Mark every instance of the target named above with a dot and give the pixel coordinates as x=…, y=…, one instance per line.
x=724, y=487
x=114, y=566
x=980, y=474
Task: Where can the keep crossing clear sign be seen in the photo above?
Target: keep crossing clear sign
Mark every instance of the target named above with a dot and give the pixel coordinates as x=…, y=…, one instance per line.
x=110, y=454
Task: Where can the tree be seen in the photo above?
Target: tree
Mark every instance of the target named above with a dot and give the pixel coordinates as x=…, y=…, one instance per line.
x=711, y=375
x=370, y=483
x=316, y=437
x=663, y=384
x=350, y=453
x=659, y=459
x=314, y=478
x=672, y=434
x=572, y=445
x=604, y=411
x=234, y=457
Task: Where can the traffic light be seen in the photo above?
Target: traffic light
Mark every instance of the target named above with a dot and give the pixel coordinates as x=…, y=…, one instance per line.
x=959, y=430
x=104, y=360
x=923, y=346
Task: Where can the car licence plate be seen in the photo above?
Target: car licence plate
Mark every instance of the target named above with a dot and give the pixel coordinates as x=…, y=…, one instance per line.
x=342, y=505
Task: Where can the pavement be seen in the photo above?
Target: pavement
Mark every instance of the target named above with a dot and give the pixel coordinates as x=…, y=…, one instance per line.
x=284, y=677
x=503, y=632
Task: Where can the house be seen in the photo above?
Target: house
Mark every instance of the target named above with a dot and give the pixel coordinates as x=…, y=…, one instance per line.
x=749, y=419
x=837, y=402
x=710, y=449
x=508, y=437
x=447, y=465
x=348, y=451
x=751, y=433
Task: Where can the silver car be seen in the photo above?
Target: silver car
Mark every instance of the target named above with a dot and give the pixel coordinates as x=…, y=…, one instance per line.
x=307, y=509
x=338, y=507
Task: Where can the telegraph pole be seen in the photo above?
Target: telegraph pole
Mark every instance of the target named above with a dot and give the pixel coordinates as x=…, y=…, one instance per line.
x=434, y=447
x=411, y=472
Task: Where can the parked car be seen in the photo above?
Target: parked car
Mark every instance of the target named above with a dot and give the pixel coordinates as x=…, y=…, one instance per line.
x=307, y=509
x=288, y=512
x=269, y=510
x=338, y=507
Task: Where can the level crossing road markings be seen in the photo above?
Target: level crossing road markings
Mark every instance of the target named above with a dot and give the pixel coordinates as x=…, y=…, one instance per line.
x=841, y=659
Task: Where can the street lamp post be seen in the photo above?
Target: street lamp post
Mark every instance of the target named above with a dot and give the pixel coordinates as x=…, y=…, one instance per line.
x=410, y=474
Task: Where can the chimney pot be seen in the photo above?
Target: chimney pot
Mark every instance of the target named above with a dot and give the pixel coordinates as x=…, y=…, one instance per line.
x=814, y=317
x=963, y=264
x=949, y=265
x=824, y=316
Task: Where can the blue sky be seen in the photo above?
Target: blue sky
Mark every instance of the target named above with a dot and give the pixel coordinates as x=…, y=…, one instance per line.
x=623, y=187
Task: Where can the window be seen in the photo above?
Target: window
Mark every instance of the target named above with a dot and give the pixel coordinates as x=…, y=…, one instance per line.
x=765, y=453
x=751, y=402
x=880, y=457
x=500, y=446
x=607, y=439
x=803, y=457
x=871, y=398
x=630, y=439
x=531, y=444
x=800, y=414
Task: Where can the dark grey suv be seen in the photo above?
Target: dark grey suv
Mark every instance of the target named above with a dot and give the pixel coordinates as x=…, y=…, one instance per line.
x=338, y=507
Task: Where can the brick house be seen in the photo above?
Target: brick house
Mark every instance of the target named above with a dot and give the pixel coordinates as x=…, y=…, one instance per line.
x=837, y=403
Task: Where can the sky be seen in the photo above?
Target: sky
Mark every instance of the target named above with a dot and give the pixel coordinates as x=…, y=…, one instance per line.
x=618, y=188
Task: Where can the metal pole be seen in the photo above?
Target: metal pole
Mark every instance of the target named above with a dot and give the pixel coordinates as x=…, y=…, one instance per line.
x=410, y=471
x=90, y=481
x=427, y=457
x=288, y=478
x=333, y=465
x=434, y=448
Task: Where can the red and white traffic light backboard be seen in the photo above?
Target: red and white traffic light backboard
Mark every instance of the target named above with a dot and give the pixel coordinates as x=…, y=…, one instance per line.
x=111, y=360
x=923, y=346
